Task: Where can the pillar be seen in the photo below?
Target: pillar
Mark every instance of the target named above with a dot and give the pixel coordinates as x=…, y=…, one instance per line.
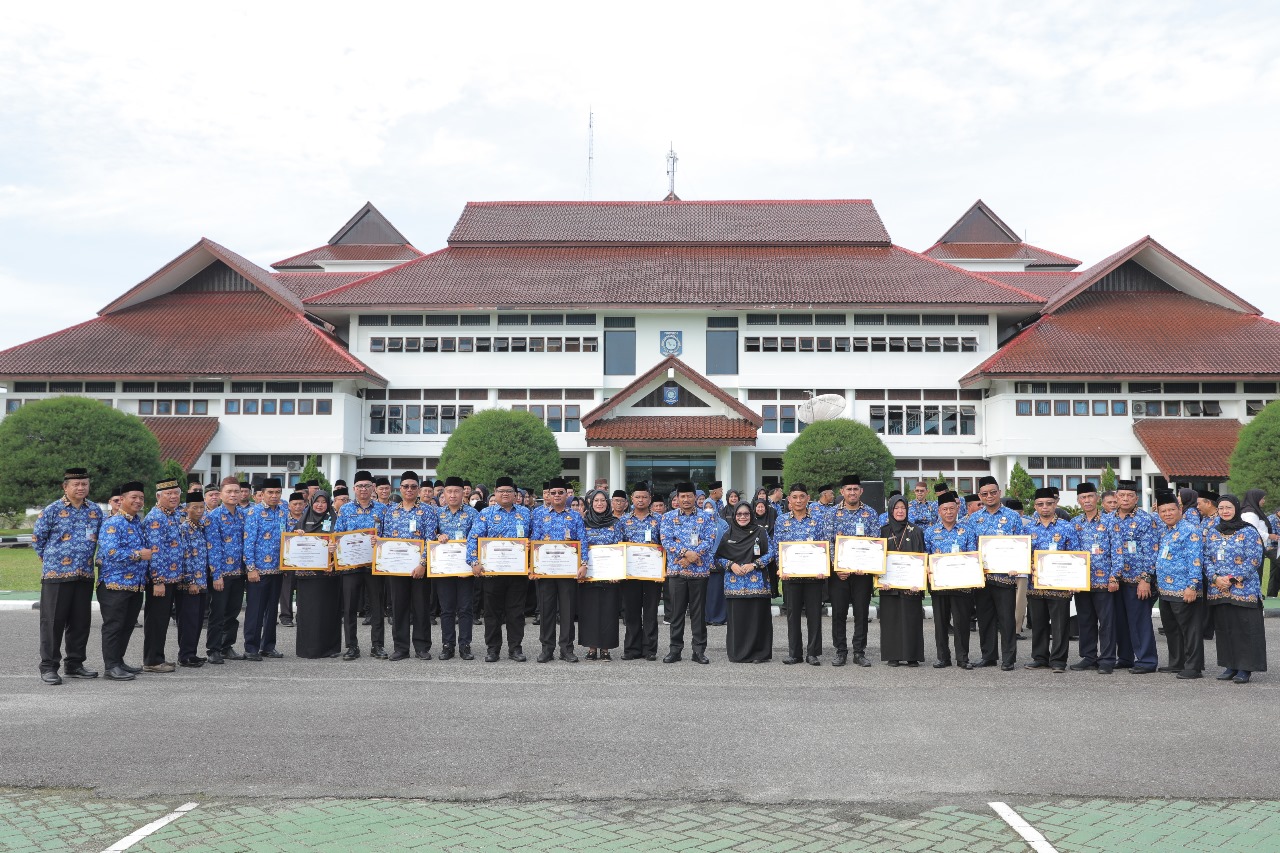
x=589, y=472
x=617, y=468
x=724, y=467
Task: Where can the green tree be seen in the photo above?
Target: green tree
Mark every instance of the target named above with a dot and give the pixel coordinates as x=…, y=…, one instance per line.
x=500, y=442
x=1021, y=486
x=1253, y=462
x=312, y=472
x=170, y=470
x=1108, y=479
x=42, y=439
x=942, y=479
x=829, y=450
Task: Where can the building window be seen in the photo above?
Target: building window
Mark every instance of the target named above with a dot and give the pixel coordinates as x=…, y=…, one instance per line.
x=619, y=351
x=1043, y=407
x=268, y=407
x=11, y=406
x=1022, y=408
x=722, y=352
x=1100, y=407
x=1061, y=408
x=1119, y=407
x=324, y=407
x=231, y=407
x=287, y=407
x=1080, y=408
x=251, y=407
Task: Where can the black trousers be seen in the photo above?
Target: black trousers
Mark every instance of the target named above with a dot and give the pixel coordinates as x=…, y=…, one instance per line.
x=457, y=598
x=285, y=607
x=66, y=611
x=224, y=612
x=688, y=597
x=1184, y=633
x=640, y=603
x=1050, y=633
x=854, y=591
x=156, y=610
x=410, y=612
x=190, y=616
x=953, y=609
x=119, y=610
x=803, y=600
x=354, y=585
x=261, y=599
x=995, y=604
x=1097, y=611
x=555, y=605
x=375, y=595
x=504, y=603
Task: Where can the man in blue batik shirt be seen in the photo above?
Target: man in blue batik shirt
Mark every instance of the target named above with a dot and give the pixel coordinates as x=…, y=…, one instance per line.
x=1134, y=540
x=124, y=553
x=1096, y=608
x=922, y=512
x=996, y=603
x=224, y=534
x=164, y=534
x=1050, y=608
x=504, y=595
x=411, y=595
x=263, y=528
x=952, y=608
x=803, y=595
x=851, y=589
x=1180, y=578
x=688, y=536
x=640, y=597
x=557, y=596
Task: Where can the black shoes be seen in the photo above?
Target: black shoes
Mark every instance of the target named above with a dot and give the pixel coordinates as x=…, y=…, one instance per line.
x=604, y=655
x=1006, y=667
x=286, y=621
x=1035, y=664
x=651, y=657
x=964, y=664
x=81, y=672
x=216, y=658
x=980, y=664
x=399, y=655
x=49, y=676
x=790, y=660
x=1140, y=670
x=859, y=659
x=1168, y=669
x=446, y=653
x=351, y=653
x=813, y=661
x=591, y=655
x=1227, y=675
x=546, y=656
x=1188, y=674
x=699, y=657
x=191, y=663
x=273, y=654
x=1103, y=669
x=119, y=673
x=568, y=656
x=231, y=654
x=133, y=669
x=378, y=652
x=464, y=652
x=252, y=656
x=491, y=656
x=672, y=657
x=841, y=659
x=423, y=655
x=942, y=664
x=630, y=656
x=516, y=654
x=1081, y=666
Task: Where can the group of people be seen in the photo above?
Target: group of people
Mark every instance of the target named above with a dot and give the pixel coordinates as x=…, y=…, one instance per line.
x=219, y=552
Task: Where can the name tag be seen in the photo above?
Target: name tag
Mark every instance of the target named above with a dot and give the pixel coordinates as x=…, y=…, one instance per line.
x=955, y=548
x=860, y=530
x=519, y=531
x=693, y=540
x=1097, y=549
x=1222, y=554
x=413, y=525
x=1053, y=546
x=1164, y=552
x=648, y=535
x=1131, y=546
x=755, y=547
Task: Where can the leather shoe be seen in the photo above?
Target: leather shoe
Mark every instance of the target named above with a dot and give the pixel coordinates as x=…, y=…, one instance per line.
x=1227, y=675
x=399, y=655
x=965, y=665
x=49, y=676
x=1242, y=677
x=215, y=658
x=942, y=664
x=1188, y=675
x=568, y=657
x=446, y=653
x=253, y=656
x=491, y=656
x=861, y=660
x=672, y=657
x=422, y=655
x=136, y=670
x=351, y=653
x=274, y=654
x=231, y=654
x=464, y=652
x=286, y=621
x=651, y=657
x=546, y=656
x=1103, y=669
x=1140, y=670
x=1019, y=636
x=119, y=673
x=192, y=663
x=813, y=660
x=980, y=664
x=1035, y=664
x=517, y=655
x=1006, y=667
x=164, y=666
x=1058, y=669
x=1167, y=669
x=699, y=657
x=378, y=652
x=1081, y=666
x=630, y=656
x=81, y=672
x=893, y=663
x=790, y=660
x=841, y=659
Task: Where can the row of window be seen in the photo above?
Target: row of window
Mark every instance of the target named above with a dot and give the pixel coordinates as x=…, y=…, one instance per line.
x=924, y=420
x=1144, y=386
x=557, y=418
x=416, y=420
x=277, y=407
x=1120, y=408
x=477, y=319
x=484, y=344
x=1035, y=463
x=822, y=344
x=202, y=387
x=173, y=407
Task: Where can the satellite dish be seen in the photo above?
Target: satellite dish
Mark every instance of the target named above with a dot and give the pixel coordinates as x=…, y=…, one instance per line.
x=824, y=407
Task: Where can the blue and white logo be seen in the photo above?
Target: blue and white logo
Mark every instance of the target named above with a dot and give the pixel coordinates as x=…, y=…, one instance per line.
x=671, y=394
x=671, y=343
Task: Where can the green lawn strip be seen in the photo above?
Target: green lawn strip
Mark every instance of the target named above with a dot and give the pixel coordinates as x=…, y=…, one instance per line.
x=19, y=570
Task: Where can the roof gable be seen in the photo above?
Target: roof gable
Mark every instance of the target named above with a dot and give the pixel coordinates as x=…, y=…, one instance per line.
x=1185, y=449
x=979, y=224
x=639, y=392
x=182, y=439
x=368, y=227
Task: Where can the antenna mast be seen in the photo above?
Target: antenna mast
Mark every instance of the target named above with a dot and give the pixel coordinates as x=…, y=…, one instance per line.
x=591, y=149
x=672, y=159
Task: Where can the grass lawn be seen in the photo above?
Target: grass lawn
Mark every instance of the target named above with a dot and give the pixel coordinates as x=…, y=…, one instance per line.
x=19, y=569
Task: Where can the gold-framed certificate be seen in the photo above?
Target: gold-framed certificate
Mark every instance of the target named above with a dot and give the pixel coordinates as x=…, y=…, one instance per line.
x=960, y=570
x=607, y=562
x=646, y=562
x=903, y=570
x=503, y=556
x=355, y=548
x=806, y=559
x=1061, y=570
x=861, y=554
x=400, y=557
x=1005, y=555
x=555, y=559
x=447, y=559
x=308, y=552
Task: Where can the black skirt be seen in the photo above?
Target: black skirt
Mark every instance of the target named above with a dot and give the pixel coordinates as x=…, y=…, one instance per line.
x=750, y=631
x=1242, y=643
x=901, y=626
x=319, y=615
x=598, y=615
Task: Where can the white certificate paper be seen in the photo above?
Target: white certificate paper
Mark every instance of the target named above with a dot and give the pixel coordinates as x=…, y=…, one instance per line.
x=860, y=554
x=355, y=549
x=961, y=570
x=555, y=559
x=804, y=559
x=646, y=563
x=397, y=556
x=1003, y=555
x=305, y=552
x=1064, y=570
x=504, y=556
x=447, y=559
x=607, y=563
x=903, y=571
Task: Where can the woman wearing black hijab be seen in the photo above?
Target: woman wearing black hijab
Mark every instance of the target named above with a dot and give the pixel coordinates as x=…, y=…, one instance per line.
x=598, y=600
x=764, y=516
x=744, y=553
x=1232, y=560
x=901, y=610
x=319, y=593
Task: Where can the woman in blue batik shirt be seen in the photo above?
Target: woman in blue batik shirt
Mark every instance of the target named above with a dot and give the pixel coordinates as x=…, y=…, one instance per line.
x=743, y=556
x=1233, y=572
x=598, y=600
x=901, y=610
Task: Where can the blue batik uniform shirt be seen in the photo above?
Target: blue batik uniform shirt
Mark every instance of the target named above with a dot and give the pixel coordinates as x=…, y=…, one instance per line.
x=1096, y=537
x=922, y=513
x=494, y=522
x=1057, y=535
x=224, y=534
x=811, y=528
x=1234, y=555
x=121, y=538
x=195, y=563
x=417, y=522
x=647, y=529
x=164, y=532
x=1134, y=541
x=1002, y=522
x=564, y=526
x=862, y=521
x=1178, y=560
x=959, y=539
x=65, y=539
x=262, y=530
x=691, y=531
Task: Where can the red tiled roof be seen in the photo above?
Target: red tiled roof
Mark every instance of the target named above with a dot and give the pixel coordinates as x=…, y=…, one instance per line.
x=802, y=222
x=1161, y=333
x=677, y=275
x=307, y=284
x=182, y=439
x=979, y=223
x=673, y=429
x=673, y=363
x=348, y=252
x=1001, y=251
x=241, y=333
x=1184, y=448
x=1043, y=283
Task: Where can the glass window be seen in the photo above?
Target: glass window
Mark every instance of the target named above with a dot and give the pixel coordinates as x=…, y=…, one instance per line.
x=268, y=407
x=806, y=345
x=968, y=420
x=1100, y=407
x=324, y=407
x=1073, y=481
x=722, y=352
x=199, y=407
x=412, y=420
x=1120, y=407
x=251, y=407
x=448, y=419
x=1055, y=481
x=770, y=419
x=572, y=418
x=1061, y=408
x=395, y=344
x=535, y=345
x=448, y=345
x=877, y=419
x=11, y=406
x=788, y=344
x=413, y=344
x=524, y=345
x=1043, y=407
x=164, y=407
x=286, y=407
x=913, y=420
x=146, y=407
x=553, y=418
x=1172, y=409
x=430, y=344
x=619, y=352
x=1022, y=407
x=842, y=344
x=377, y=344
x=464, y=345
x=430, y=420
x=932, y=418
x=306, y=407
x=182, y=407
x=572, y=344
x=895, y=420
x=1080, y=408
x=377, y=420
x=1038, y=482
x=787, y=418
x=231, y=407
x=395, y=420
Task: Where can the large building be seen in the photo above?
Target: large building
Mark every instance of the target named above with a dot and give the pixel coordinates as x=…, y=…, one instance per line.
x=677, y=340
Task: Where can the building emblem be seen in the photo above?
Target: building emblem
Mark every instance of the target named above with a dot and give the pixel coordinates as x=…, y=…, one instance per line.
x=671, y=393
x=671, y=343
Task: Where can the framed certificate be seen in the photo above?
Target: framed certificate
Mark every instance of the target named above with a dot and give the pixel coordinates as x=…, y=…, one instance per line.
x=503, y=556
x=397, y=556
x=1005, y=555
x=1063, y=570
x=355, y=548
x=804, y=559
x=555, y=559
x=305, y=552
x=862, y=554
x=903, y=570
x=646, y=562
x=962, y=570
x=607, y=562
x=447, y=559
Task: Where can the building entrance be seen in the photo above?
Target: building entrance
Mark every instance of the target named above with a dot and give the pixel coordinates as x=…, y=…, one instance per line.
x=662, y=472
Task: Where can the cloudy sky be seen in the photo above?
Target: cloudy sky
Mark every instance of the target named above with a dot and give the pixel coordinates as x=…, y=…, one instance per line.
x=127, y=131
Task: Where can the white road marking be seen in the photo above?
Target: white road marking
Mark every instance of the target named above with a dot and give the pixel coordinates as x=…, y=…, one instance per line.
x=130, y=840
x=1027, y=831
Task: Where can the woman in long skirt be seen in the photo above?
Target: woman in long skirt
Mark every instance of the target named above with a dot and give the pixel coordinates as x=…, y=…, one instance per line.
x=319, y=607
x=744, y=553
x=598, y=600
x=901, y=610
x=1232, y=560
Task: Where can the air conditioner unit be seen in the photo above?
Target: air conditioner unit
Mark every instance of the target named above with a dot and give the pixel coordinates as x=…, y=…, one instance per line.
x=293, y=467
